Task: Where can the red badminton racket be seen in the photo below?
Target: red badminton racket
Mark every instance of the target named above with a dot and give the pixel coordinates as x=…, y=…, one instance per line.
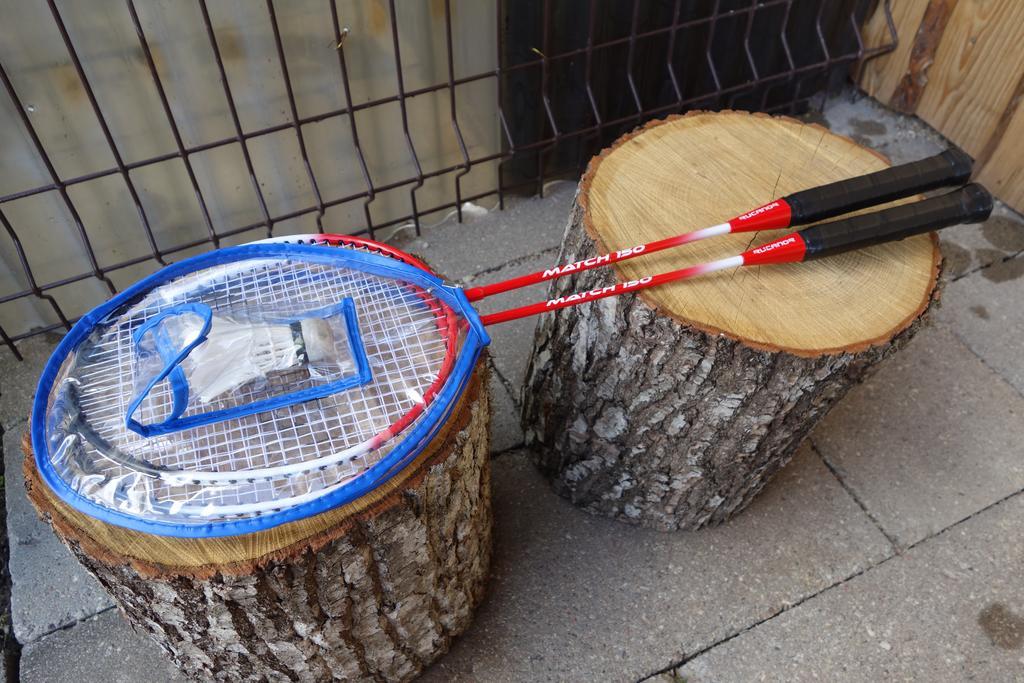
x=948, y=169
x=969, y=204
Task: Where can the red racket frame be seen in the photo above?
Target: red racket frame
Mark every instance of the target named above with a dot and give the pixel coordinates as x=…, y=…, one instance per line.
x=971, y=203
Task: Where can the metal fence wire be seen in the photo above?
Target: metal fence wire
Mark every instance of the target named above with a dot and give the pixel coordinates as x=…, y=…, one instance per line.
x=139, y=133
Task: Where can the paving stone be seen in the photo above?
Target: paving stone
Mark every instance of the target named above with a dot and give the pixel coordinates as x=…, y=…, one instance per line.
x=525, y=227
x=49, y=588
x=18, y=379
x=103, y=649
x=968, y=248
x=932, y=438
x=512, y=342
x=984, y=311
x=950, y=609
x=900, y=138
x=506, y=432
x=578, y=597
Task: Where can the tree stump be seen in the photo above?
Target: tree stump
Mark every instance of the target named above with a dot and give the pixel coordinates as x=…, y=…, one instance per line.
x=673, y=407
x=374, y=590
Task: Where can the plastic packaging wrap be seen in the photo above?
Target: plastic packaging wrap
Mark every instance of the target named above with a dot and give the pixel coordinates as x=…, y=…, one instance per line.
x=248, y=388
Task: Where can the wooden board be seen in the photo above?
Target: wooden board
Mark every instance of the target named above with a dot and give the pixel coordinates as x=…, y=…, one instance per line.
x=882, y=75
x=959, y=65
x=976, y=70
x=703, y=169
x=1003, y=171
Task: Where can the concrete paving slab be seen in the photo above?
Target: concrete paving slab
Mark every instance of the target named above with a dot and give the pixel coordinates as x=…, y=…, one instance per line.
x=970, y=248
x=18, y=379
x=103, y=649
x=577, y=597
x=49, y=588
x=512, y=342
x=984, y=311
x=525, y=227
x=950, y=609
x=932, y=438
x=506, y=432
x=899, y=137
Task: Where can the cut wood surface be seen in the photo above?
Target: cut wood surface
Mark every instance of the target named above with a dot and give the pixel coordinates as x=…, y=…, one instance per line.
x=705, y=169
x=673, y=407
x=374, y=590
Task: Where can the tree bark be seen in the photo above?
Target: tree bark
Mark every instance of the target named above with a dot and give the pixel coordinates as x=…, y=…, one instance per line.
x=674, y=407
x=375, y=591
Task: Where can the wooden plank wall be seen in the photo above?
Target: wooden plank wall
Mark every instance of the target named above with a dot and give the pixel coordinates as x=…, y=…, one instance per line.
x=959, y=66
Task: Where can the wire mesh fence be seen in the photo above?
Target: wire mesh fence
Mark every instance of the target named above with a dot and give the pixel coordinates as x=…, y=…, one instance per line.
x=135, y=133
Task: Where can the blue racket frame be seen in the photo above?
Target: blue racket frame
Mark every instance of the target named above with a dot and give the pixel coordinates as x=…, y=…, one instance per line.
x=413, y=443
x=180, y=390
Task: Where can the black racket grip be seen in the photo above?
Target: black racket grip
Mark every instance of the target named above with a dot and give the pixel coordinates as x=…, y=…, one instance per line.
x=970, y=204
x=950, y=168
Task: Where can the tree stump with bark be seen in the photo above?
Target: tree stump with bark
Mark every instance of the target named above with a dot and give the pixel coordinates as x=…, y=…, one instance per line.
x=673, y=407
x=375, y=590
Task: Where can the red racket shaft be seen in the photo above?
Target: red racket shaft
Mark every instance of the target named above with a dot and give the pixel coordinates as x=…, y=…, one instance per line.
x=951, y=167
x=970, y=204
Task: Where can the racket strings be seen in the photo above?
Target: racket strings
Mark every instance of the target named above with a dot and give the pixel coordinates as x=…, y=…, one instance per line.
x=408, y=339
